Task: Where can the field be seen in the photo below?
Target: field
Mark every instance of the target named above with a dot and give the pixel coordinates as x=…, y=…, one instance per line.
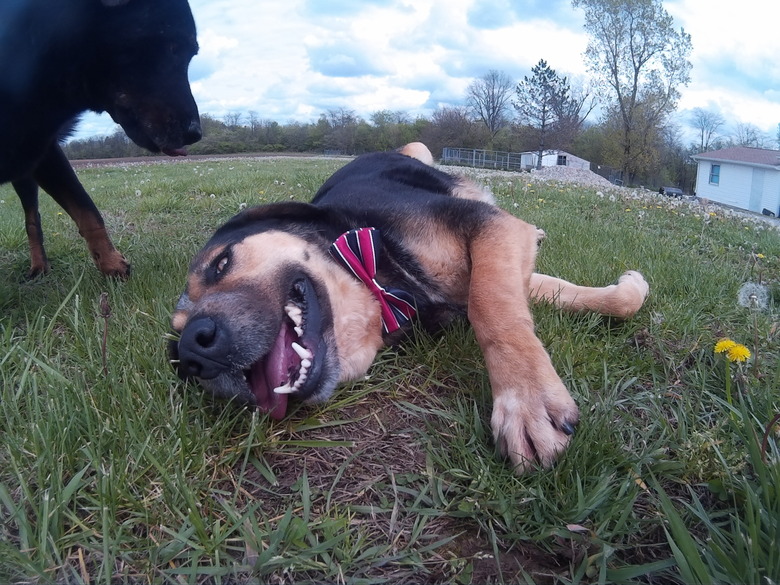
x=111, y=470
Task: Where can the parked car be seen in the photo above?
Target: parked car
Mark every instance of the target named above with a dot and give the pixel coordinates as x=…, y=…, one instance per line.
x=671, y=192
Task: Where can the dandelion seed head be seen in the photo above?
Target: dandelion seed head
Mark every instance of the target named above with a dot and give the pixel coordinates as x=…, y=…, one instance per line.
x=753, y=296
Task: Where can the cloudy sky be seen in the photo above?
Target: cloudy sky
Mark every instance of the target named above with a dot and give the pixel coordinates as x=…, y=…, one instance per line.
x=294, y=59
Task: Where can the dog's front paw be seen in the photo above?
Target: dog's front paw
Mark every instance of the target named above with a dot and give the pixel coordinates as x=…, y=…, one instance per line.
x=113, y=264
x=533, y=428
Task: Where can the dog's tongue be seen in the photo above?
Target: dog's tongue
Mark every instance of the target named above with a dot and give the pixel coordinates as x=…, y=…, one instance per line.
x=267, y=400
x=175, y=151
x=272, y=372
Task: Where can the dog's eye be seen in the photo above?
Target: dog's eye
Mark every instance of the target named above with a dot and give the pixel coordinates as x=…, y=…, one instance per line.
x=222, y=264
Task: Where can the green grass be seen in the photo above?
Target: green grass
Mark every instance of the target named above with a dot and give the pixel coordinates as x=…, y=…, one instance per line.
x=121, y=473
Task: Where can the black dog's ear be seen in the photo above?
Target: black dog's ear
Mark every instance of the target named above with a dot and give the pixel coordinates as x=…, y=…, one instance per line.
x=113, y=3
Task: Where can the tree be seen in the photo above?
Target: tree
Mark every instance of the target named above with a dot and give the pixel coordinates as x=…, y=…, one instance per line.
x=707, y=125
x=746, y=134
x=641, y=61
x=542, y=100
x=452, y=126
x=488, y=99
x=343, y=126
x=572, y=113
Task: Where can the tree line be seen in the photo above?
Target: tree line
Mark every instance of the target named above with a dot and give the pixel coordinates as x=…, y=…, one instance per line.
x=638, y=63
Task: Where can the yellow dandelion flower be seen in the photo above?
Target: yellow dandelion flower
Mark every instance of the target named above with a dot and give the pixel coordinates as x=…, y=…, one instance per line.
x=738, y=353
x=760, y=256
x=724, y=345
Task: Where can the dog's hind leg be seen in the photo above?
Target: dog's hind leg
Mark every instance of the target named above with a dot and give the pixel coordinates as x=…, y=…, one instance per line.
x=533, y=413
x=55, y=176
x=27, y=189
x=622, y=300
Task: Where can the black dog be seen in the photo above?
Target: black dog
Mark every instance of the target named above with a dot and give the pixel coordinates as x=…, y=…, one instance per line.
x=60, y=58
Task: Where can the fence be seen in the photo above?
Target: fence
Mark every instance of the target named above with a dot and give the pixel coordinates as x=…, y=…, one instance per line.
x=489, y=159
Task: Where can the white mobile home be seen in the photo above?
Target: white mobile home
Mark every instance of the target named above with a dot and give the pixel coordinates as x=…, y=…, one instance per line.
x=742, y=177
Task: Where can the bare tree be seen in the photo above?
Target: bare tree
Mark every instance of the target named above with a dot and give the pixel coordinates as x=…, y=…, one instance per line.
x=746, y=134
x=452, y=126
x=342, y=129
x=641, y=60
x=232, y=119
x=488, y=99
x=707, y=125
x=572, y=112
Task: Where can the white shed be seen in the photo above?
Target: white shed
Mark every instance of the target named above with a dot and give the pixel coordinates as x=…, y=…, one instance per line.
x=742, y=177
x=551, y=158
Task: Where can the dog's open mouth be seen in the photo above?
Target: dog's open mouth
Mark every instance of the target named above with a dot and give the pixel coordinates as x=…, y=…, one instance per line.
x=289, y=366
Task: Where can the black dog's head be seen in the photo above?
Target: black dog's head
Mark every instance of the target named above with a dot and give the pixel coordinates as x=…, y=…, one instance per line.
x=267, y=313
x=142, y=50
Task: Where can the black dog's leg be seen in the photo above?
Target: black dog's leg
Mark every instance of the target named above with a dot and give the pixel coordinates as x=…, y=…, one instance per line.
x=55, y=176
x=27, y=189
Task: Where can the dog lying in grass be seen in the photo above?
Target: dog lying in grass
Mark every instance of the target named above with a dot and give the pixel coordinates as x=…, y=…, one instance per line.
x=287, y=300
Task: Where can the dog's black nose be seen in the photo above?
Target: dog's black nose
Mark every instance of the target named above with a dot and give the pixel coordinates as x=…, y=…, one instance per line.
x=194, y=133
x=203, y=348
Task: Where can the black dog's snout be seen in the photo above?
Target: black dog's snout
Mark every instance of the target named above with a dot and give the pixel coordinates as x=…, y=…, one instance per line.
x=194, y=133
x=203, y=348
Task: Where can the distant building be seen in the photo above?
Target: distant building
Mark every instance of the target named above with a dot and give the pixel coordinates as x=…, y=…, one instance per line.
x=551, y=158
x=510, y=161
x=742, y=177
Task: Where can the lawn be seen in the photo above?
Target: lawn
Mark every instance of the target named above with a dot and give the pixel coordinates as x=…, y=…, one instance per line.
x=112, y=470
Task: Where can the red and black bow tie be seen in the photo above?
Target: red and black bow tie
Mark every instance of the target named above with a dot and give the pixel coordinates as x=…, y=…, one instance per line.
x=358, y=251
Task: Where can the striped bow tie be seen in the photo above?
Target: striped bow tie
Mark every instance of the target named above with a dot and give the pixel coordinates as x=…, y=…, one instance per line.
x=358, y=251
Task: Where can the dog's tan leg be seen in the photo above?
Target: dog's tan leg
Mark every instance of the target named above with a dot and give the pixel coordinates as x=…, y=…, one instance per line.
x=55, y=176
x=623, y=299
x=533, y=413
x=27, y=189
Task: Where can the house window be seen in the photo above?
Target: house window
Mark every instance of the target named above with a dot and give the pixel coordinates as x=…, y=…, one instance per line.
x=714, y=174
x=562, y=160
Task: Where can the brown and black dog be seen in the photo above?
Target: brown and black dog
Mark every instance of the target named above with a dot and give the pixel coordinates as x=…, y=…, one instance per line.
x=58, y=59
x=290, y=299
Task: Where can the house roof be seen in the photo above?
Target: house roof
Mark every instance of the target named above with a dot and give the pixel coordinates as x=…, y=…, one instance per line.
x=743, y=155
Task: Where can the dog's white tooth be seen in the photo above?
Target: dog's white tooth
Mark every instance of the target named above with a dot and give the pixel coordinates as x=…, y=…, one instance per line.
x=302, y=352
x=294, y=313
x=305, y=363
x=298, y=331
x=286, y=389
